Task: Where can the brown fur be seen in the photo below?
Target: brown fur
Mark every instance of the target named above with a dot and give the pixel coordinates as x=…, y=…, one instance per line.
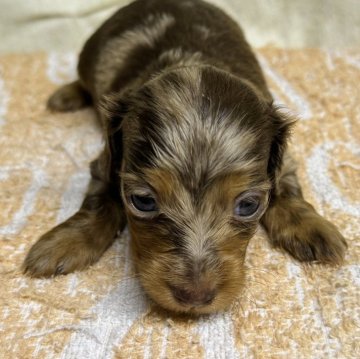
x=190, y=124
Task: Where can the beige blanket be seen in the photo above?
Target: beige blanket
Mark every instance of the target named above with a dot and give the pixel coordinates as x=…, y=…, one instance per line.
x=288, y=310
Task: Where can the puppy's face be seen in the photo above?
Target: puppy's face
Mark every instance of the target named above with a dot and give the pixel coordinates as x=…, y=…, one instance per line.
x=196, y=172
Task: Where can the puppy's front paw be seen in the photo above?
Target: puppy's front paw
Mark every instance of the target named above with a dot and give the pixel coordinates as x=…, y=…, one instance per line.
x=294, y=226
x=316, y=240
x=62, y=250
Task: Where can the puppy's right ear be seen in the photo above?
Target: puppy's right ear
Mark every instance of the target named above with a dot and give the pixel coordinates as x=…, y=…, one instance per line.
x=282, y=125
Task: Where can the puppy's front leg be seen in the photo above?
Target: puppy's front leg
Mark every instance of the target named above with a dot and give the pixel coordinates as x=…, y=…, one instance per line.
x=294, y=225
x=82, y=239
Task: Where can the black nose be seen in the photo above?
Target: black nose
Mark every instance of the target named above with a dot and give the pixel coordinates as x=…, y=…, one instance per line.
x=194, y=296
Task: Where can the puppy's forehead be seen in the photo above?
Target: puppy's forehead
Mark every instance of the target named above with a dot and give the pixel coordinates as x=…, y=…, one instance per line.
x=170, y=187
x=200, y=123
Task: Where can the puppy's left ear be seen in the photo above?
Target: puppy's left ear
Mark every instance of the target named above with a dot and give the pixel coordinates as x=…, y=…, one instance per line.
x=112, y=111
x=282, y=125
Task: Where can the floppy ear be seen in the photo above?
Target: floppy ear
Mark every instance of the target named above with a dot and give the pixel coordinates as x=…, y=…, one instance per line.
x=112, y=110
x=282, y=125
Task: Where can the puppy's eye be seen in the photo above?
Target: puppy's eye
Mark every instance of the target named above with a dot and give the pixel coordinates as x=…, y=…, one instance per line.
x=143, y=203
x=246, y=206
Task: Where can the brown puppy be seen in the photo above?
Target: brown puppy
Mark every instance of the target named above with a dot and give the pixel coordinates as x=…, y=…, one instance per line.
x=195, y=158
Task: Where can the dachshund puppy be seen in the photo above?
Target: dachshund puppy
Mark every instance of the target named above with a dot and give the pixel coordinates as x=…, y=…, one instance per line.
x=195, y=158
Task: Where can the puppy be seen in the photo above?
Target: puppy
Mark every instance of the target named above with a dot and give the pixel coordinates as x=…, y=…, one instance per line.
x=195, y=158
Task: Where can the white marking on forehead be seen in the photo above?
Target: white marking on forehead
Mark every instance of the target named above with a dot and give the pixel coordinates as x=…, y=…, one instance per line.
x=117, y=50
x=214, y=143
x=208, y=146
x=177, y=99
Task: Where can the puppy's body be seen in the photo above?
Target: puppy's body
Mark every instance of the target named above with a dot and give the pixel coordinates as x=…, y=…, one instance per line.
x=149, y=36
x=195, y=158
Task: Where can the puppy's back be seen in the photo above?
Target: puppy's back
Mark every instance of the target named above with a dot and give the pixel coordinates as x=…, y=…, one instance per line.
x=149, y=36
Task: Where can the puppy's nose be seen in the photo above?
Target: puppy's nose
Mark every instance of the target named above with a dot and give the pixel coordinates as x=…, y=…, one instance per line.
x=198, y=296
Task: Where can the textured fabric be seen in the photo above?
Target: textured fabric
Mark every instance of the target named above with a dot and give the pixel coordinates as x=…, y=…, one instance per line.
x=287, y=310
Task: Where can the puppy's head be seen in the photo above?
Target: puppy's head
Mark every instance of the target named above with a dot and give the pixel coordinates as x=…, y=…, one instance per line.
x=197, y=151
